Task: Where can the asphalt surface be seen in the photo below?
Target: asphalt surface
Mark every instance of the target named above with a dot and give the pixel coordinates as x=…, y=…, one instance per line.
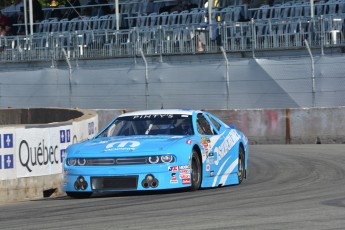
x=288, y=187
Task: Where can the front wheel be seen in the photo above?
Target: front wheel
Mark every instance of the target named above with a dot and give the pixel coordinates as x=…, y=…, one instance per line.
x=240, y=172
x=196, y=171
x=79, y=195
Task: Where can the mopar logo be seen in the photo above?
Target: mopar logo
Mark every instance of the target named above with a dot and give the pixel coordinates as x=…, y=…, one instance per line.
x=123, y=145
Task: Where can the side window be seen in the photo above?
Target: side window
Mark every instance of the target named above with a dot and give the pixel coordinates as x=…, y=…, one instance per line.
x=203, y=126
x=214, y=122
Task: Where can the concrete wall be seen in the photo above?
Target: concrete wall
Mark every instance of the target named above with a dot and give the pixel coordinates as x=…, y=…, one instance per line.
x=276, y=126
x=179, y=81
x=32, y=149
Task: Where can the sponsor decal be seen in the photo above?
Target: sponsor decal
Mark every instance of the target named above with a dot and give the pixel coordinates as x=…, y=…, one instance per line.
x=184, y=171
x=188, y=142
x=212, y=173
x=206, y=140
x=172, y=168
x=122, y=145
x=210, y=161
x=8, y=141
x=184, y=167
x=185, y=176
x=206, y=144
x=8, y=161
x=204, y=155
x=224, y=148
x=173, y=178
x=186, y=181
x=208, y=167
x=149, y=116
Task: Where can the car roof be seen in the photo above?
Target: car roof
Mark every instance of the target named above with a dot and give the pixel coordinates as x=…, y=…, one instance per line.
x=161, y=111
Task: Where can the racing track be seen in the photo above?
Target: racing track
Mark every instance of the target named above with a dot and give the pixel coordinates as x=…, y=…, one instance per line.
x=288, y=187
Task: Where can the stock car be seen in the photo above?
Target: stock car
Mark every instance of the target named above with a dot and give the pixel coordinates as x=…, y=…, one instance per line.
x=156, y=150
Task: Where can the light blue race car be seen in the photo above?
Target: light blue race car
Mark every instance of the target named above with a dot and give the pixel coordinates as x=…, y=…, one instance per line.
x=157, y=149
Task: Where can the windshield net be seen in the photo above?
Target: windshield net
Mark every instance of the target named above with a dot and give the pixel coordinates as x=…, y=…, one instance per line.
x=155, y=124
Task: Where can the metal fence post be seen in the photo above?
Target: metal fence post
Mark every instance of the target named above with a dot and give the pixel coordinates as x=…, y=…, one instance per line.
x=227, y=77
x=253, y=37
x=312, y=72
x=322, y=35
x=146, y=78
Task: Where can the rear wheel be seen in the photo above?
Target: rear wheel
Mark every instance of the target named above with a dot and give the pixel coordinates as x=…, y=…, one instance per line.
x=196, y=171
x=240, y=172
x=79, y=195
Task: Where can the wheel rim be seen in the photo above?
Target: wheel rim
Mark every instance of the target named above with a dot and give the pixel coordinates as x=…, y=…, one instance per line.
x=195, y=171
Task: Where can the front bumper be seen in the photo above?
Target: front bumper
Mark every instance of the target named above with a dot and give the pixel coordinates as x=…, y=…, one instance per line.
x=125, y=178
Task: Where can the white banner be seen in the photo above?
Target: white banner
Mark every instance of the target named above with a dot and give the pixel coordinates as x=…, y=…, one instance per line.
x=40, y=150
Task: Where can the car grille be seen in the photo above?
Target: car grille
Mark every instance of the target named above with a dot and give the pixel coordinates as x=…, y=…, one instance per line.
x=116, y=161
x=131, y=161
x=114, y=183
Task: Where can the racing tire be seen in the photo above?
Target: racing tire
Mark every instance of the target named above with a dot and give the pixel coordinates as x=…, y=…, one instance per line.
x=79, y=195
x=196, y=171
x=241, y=169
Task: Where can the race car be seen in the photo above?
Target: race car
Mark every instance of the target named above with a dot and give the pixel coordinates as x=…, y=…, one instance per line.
x=155, y=150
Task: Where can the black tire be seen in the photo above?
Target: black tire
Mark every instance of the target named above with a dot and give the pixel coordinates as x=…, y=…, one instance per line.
x=196, y=171
x=241, y=169
x=79, y=195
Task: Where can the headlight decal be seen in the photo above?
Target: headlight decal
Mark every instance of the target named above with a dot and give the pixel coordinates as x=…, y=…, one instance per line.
x=153, y=160
x=167, y=158
x=71, y=161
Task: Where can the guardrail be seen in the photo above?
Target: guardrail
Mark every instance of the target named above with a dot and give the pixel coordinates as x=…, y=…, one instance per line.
x=178, y=39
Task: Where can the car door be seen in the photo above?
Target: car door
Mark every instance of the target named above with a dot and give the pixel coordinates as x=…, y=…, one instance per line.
x=216, y=141
x=210, y=139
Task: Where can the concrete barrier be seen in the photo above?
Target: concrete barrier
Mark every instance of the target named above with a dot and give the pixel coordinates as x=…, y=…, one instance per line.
x=277, y=126
x=32, y=148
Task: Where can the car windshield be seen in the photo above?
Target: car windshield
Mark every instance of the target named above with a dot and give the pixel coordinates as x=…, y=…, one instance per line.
x=155, y=124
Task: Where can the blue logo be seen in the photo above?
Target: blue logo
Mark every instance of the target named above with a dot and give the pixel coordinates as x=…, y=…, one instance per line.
x=65, y=136
x=0, y=162
x=62, y=136
x=8, y=161
x=8, y=140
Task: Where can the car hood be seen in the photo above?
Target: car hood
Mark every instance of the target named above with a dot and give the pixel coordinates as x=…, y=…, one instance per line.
x=127, y=145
